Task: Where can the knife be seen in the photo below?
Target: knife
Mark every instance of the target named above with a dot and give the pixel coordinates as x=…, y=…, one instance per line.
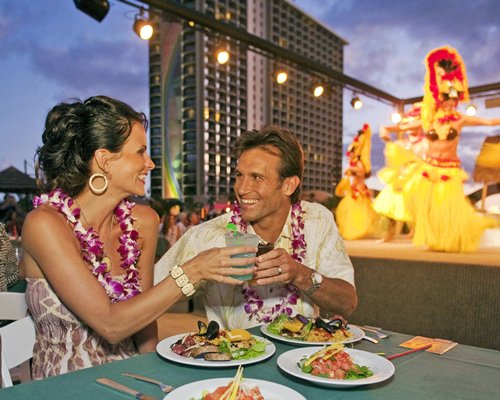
x=124, y=389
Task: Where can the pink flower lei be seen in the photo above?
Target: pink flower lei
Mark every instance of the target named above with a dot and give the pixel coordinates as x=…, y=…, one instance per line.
x=92, y=247
x=253, y=302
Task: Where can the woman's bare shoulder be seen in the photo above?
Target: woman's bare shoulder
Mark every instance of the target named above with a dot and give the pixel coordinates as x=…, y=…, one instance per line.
x=44, y=214
x=145, y=215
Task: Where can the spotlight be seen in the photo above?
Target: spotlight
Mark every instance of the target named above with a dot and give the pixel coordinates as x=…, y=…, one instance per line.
x=471, y=110
x=96, y=9
x=281, y=77
x=356, y=103
x=222, y=55
x=396, y=117
x=142, y=27
x=318, y=90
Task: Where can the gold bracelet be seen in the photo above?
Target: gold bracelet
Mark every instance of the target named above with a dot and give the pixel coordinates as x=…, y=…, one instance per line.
x=182, y=281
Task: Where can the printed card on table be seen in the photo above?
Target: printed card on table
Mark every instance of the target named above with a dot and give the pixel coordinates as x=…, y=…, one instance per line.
x=439, y=346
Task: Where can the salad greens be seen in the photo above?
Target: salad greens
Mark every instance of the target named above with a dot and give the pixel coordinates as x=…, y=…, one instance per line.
x=276, y=327
x=241, y=353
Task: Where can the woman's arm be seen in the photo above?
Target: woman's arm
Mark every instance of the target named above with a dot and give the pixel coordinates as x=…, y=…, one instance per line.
x=476, y=121
x=147, y=222
x=50, y=243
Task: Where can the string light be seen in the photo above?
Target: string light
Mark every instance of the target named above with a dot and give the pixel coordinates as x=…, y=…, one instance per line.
x=318, y=90
x=222, y=55
x=281, y=77
x=471, y=110
x=142, y=27
x=356, y=103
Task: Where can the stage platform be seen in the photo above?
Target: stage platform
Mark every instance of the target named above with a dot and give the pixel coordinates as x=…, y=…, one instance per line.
x=451, y=296
x=403, y=249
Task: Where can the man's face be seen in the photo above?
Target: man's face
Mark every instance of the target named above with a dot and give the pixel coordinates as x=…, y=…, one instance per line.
x=258, y=187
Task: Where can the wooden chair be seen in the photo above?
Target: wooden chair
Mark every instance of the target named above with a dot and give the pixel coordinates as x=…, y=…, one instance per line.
x=17, y=341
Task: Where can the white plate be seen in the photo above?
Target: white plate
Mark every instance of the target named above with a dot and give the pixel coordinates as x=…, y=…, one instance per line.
x=357, y=334
x=382, y=368
x=269, y=390
x=164, y=350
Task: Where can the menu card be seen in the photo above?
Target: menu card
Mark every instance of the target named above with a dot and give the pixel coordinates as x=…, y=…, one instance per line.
x=439, y=346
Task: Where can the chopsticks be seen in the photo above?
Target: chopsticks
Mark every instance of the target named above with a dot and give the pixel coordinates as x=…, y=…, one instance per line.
x=404, y=353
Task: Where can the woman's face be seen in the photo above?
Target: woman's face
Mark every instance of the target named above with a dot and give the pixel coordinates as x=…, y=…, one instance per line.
x=130, y=169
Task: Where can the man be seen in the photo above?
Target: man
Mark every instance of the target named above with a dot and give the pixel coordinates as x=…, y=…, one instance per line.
x=307, y=270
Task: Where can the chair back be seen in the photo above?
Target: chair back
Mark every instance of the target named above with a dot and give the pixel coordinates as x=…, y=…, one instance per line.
x=17, y=341
x=12, y=306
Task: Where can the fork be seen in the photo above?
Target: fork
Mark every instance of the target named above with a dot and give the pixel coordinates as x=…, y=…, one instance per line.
x=164, y=387
x=379, y=334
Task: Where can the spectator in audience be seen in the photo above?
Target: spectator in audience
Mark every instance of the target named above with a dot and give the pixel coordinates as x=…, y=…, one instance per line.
x=9, y=272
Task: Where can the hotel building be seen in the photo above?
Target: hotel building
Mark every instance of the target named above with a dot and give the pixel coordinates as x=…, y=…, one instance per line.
x=199, y=107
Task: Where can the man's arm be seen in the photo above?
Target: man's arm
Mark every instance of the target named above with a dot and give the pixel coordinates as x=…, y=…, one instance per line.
x=325, y=254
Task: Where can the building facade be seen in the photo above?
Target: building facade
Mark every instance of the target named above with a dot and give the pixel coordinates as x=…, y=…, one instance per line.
x=199, y=107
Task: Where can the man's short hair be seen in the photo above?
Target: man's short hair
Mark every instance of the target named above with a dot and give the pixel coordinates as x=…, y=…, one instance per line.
x=273, y=138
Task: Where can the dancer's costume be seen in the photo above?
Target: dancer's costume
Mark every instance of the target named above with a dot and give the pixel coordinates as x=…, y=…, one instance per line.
x=400, y=161
x=354, y=214
x=444, y=218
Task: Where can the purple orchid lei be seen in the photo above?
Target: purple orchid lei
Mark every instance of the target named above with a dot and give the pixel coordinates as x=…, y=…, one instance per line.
x=253, y=302
x=92, y=247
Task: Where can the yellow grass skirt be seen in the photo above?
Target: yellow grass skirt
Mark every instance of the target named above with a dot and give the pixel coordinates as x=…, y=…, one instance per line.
x=444, y=218
x=400, y=165
x=354, y=214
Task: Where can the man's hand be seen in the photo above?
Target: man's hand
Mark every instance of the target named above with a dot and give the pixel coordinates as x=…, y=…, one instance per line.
x=275, y=266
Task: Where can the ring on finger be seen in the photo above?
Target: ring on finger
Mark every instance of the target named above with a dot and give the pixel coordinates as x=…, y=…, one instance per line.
x=279, y=270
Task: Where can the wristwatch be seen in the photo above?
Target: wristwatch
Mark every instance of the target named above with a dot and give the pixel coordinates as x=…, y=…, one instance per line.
x=317, y=280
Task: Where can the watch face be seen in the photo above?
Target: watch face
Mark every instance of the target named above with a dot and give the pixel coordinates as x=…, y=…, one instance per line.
x=317, y=277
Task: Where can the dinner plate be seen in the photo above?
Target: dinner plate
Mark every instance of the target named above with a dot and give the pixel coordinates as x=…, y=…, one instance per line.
x=357, y=334
x=269, y=390
x=164, y=350
x=382, y=368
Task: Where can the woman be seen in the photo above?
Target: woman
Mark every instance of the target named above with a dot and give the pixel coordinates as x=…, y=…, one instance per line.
x=401, y=156
x=354, y=214
x=444, y=218
x=89, y=252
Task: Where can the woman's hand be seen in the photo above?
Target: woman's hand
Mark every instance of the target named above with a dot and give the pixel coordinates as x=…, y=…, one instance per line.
x=217, y=265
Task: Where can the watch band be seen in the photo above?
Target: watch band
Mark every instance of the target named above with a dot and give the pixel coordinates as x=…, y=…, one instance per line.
x=182, y=281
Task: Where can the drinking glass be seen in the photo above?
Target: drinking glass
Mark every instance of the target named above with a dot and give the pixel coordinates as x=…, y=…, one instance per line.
x=242, y=239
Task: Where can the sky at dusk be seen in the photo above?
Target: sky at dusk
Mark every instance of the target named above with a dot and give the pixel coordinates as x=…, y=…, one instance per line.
x=51, y=52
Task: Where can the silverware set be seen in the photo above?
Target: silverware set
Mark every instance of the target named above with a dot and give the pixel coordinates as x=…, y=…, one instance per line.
x=132, y=392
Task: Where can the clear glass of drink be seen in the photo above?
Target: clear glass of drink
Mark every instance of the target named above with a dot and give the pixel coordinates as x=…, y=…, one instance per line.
x=242, y=239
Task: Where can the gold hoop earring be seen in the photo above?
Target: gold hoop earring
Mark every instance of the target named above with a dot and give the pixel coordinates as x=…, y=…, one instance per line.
x=93, y=188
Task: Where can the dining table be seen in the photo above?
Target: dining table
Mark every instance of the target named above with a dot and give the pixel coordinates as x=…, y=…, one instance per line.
x=463, y=372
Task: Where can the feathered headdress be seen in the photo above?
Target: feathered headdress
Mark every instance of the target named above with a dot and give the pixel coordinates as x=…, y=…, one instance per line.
x=445, y=79
x=360, y=148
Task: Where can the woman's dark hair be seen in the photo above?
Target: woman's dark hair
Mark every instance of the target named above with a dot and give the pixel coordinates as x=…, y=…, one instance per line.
x=72, y=134
x=273, y=138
